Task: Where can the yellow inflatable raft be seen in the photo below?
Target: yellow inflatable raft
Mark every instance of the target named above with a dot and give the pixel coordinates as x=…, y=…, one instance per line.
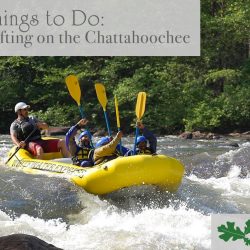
x=159, y=170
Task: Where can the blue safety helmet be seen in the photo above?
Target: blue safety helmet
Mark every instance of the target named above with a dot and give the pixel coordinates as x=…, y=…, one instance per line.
x=140, y=139
x=102, y=141
x=84, y=133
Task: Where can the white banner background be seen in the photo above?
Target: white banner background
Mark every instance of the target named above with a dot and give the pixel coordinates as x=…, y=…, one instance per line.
x=74, y=28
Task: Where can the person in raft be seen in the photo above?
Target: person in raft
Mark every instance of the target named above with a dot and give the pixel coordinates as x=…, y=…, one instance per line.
x=107, y=149
x=28, y=126
x=81, y=150
x=141, y=142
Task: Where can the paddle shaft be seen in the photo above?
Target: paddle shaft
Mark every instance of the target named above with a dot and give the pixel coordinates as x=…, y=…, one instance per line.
x=17, y=149
x=87, y=129
x=107, y=122
x=118, y=121
x=81, y=111
x=102, y=98
x=139, y=111
x=75, y=92
x=136, y=135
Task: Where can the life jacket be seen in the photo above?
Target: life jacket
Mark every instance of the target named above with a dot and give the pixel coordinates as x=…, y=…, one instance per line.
x=82, y=154
x=146, y=151
x=108, y=157
x=24, y=128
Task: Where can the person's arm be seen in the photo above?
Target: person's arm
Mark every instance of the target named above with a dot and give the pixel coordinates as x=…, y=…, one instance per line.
x=70, y=141
x=109, y=149
x=70, y=136
x=149, y=136
x=13, y=135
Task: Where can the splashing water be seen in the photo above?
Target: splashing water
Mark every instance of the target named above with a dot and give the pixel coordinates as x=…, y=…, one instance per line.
x=53, y=209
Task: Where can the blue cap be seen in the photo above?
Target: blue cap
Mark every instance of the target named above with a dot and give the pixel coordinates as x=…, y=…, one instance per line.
x=84, y=133
x=140, y=139
x=102, y=141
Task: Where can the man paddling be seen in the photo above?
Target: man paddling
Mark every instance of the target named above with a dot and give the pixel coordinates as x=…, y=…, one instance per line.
x=80, y=150
x=28, y=126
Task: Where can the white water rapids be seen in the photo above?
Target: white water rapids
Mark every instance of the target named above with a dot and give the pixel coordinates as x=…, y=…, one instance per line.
x=55, y=210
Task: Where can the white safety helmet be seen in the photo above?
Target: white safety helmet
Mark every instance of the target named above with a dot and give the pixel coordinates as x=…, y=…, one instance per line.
x=21, y=105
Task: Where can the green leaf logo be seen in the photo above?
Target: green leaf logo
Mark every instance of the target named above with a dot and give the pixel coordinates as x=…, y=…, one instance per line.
x=230, y=232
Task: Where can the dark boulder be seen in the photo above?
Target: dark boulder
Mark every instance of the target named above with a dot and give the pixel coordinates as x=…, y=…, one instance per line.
x=245, y=135
x=24, y=242
x=199, y=135
x=232, y=144
x=186, y=135
x=211, y=136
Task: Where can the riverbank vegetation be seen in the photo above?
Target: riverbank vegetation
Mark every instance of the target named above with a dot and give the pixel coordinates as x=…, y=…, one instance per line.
x=206, y=93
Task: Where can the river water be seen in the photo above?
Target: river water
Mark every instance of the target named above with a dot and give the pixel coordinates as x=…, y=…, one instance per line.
x=57, y=211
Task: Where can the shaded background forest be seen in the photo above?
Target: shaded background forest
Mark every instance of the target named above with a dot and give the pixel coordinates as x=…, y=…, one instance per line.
x=206, y=93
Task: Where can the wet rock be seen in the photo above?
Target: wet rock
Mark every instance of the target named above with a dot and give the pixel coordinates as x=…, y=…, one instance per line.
x=212, y=136
x=235, y=134
x=232, y=144
x=24, y=242
x=199, y=135
x=186, y=135
x=245, y=135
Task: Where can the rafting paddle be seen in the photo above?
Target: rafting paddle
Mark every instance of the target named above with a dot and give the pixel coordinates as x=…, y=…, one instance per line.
x=139, y=111
x=118, y=120
x=75, y=92
x=17, y=148
x=102, y=98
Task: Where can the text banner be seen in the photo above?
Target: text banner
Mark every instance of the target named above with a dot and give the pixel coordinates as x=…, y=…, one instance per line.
x=100, y=28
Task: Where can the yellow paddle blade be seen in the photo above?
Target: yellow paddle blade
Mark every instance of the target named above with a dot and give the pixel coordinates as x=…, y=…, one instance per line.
x=140, y=105
x=74, y=88
x=101, y=95
x=117, y=113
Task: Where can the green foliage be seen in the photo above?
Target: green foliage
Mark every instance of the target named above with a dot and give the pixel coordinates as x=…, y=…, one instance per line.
x=205, y=116
x=237, y=106
x=230, y=232
x=247, y=228
x=210, y=92
x=57, y=115
x=225, y=103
